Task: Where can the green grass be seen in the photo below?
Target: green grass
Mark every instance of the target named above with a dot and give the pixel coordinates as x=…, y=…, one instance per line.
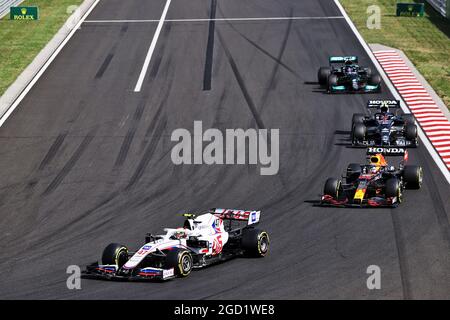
x=424, y=40
x=21, y=41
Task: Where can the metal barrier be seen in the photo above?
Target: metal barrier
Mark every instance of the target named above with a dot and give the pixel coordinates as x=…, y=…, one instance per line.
x=442, y=6
x=6, y=4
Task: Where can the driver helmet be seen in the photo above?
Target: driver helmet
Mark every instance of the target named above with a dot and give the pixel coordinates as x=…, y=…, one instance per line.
x=384, y=109
x=349, y=67
x=378, y=160
x=180, y=234
x=348, y=62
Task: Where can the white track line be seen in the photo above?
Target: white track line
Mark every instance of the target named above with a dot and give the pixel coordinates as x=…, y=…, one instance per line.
x=426, y=143
x=45, y=66
x=216, y=19
x=148, y=58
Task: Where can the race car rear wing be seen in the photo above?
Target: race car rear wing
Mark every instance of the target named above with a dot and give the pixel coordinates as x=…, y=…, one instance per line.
x=383, y=103
x=390, y=151
x=336, y=59
x=251, y=217
x=387, y=151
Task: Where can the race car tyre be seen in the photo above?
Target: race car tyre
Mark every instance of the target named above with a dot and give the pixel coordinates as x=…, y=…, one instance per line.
x=375, y=80
x=394, y=189
x=357, y=118
x=412, y=177
x=332, y=188
x=181, y=260
x=409, y=119
x=255, y=242
x=332, y=81
x=359, y=132
x=116, y=254
x=323, y=74
x=411, y=132
x=369, y=72
x=353, y=172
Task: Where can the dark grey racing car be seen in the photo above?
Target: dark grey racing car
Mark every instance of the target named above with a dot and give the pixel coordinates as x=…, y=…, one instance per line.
x=384, y=128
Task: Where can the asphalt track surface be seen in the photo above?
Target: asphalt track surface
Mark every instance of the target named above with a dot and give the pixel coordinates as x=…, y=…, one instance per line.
x=85, y=161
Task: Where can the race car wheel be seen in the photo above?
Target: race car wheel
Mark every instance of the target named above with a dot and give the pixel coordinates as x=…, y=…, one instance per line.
x=323, y=74
x=375, y=80
x=332, y=188
x=411, y=132
x=408, y=119
x=181, y=261
x=413, y=176
x=394, y=189
x=116, y=254
x=357, y=118
x=332, y=81
x=368, y=72
x=255, y=242
x=359, y=132
x=353, y=172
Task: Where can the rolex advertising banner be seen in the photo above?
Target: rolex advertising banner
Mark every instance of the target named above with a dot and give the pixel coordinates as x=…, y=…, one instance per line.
x=24, y=13
x=412, y=9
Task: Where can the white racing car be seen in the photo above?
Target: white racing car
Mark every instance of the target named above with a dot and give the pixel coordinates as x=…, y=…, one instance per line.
x=208, y=238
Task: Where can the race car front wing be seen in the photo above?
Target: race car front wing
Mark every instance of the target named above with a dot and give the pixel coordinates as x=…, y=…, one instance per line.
x=346, y=89
x=373, y=202
x=111, y=272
